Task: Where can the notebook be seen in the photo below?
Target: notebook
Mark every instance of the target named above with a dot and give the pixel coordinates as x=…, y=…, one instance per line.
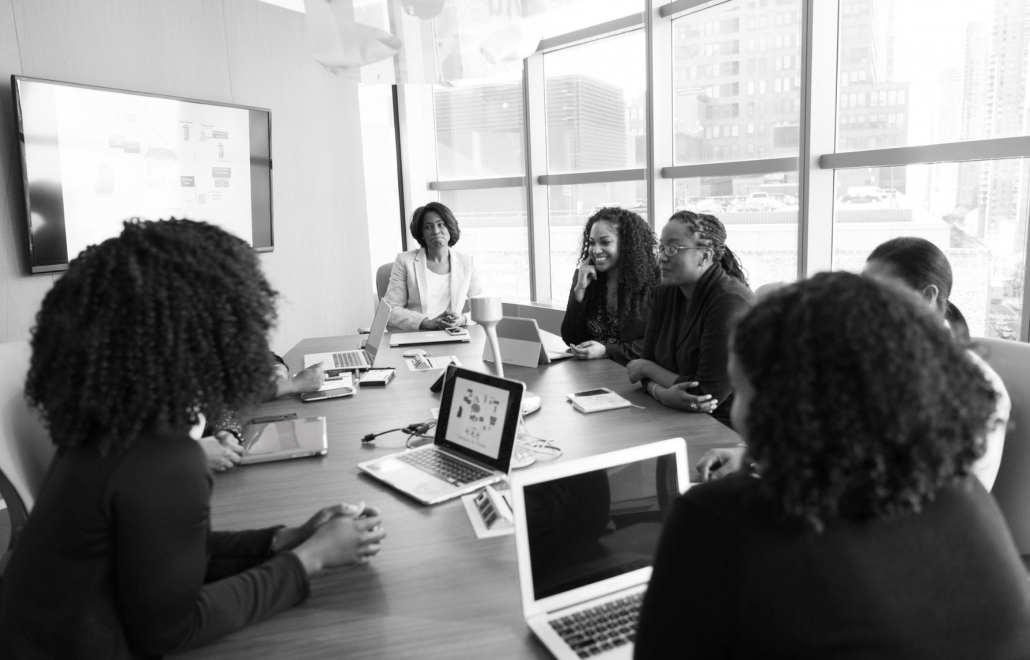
x=358, y=359
x=282, y=440
x=583, y=581
x=523, y=343
x=475, y=436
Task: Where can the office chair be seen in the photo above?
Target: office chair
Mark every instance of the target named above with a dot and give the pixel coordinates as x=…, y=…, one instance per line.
x=25, y=447
x=1011, y=490
x=382, y=283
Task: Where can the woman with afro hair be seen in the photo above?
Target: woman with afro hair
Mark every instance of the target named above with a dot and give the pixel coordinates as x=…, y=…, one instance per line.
x=144, y=337
x=611, y=293
x=865, y=535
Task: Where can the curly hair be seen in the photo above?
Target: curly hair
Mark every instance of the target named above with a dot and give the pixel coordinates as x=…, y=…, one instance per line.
x=146, y=330
x=711, y=233
x=638, y=267
x=864, y=405
x=445, y=214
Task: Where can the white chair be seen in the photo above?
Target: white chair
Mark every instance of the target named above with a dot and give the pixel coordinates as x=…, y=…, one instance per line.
x=1011, y=490
x=25, y=446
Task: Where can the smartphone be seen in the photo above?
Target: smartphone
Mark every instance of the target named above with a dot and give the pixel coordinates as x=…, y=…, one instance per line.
x=308, y=397
x=592, y=392
x=456, y=331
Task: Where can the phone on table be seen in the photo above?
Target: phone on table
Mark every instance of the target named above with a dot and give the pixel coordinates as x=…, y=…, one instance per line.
x=456, y=331
x=308, y=397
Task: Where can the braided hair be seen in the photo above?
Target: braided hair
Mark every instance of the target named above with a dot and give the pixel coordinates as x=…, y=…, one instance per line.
x=638, y=271
x=146, y=330
x=711, y=233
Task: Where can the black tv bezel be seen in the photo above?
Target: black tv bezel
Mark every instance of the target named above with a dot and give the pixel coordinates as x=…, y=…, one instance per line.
x=54, y=268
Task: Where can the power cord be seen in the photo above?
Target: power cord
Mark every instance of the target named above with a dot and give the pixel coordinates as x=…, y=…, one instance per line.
x=539, y=447
x=417, y=430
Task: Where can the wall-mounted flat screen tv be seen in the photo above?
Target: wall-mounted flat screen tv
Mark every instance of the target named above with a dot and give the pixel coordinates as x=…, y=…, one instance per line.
x=94, y=157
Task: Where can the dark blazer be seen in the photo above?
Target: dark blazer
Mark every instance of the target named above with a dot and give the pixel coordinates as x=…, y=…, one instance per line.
x=691, y=337
x=574, y=327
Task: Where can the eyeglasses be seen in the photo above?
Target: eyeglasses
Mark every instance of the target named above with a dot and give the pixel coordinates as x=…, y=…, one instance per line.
x=673, y=250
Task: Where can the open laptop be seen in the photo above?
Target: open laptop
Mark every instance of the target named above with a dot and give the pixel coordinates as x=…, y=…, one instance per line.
x=357, y=359
x=585, y=533
x=475, y=436
x=452, y=336
x=282, y=440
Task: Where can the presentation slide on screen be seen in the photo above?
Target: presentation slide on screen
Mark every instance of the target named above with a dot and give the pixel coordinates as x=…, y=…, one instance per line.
x=477, y=417
x=123, y=156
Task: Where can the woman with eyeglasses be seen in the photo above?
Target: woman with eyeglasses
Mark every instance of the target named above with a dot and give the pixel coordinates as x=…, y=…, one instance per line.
x=613, y=287
x=683, y=358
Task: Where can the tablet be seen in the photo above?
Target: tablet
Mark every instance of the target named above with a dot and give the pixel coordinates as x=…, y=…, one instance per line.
x=283, y=440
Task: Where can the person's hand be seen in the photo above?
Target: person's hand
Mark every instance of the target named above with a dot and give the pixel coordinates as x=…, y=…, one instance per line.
x=223, y=450
x=678, y=397
x=585, y=274
x=719, y=463
x=589, y=350
x=308, y=380
x=446, y=319
x=290, y=537
x=342, y=541
x=638, y=369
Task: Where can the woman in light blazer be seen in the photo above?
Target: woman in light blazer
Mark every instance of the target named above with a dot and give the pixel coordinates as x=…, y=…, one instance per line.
x=430, y=286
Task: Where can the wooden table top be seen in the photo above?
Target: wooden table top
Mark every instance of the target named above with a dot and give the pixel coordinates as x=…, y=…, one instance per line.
x=435, y=591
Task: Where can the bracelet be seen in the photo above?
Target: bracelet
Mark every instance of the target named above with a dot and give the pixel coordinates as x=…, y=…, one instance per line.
x=654, y=388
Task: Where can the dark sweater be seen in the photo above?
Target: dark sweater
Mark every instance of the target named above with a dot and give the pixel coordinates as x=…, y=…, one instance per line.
x=691, y=337
x=117, y=560
x=731, y=580
x=577, y=314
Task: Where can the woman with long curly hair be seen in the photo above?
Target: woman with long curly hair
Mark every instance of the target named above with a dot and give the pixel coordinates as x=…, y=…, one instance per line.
x=683, y=358
x=142, y=338
x=865, y=535
x=612, y=289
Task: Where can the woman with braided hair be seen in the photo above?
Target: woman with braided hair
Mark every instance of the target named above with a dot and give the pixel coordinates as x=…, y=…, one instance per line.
x=683, y=358
x=142, y=338
x=611, y=293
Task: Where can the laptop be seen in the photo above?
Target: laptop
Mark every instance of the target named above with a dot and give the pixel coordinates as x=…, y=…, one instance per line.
x=455, y=336
x=586, y=532
x=475, y=436
x=282, y=440
x=361, y=359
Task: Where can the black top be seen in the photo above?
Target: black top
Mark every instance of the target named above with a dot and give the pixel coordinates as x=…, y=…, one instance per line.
x=591, y=320
x=691, y=337
x=732, y=580
x=117, y=560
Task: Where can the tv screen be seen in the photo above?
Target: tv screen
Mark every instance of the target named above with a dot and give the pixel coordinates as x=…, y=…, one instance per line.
x=94, y=157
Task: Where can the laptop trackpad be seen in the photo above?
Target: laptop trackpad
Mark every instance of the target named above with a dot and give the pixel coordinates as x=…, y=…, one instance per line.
x=411, y=478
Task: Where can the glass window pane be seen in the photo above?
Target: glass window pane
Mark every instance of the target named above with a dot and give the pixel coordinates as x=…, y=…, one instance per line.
x=569, y=209
x=564, y=16
x=958, y=73
x=595, y=105
x=760, y=213
x=736, y=82
x=976, y=212
x=479, y=130
x=494, y=230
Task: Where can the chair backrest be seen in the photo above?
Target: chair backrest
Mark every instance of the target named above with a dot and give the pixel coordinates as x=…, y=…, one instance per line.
x=383, y=279
x=25, y=447
x=1011, y=490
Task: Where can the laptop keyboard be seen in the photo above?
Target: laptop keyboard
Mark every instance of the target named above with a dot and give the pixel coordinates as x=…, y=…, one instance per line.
x=444, y=467
x=349, y=359
x=601, y=628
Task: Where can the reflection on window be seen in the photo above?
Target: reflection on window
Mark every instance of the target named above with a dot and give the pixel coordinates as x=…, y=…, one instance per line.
x=595, y=105
x=479, y=131
x=760, y=213
x=737, y=76
x=494, y=230
x=569, y=209
x=955, y=75
x=976, y=212
x=564, y=16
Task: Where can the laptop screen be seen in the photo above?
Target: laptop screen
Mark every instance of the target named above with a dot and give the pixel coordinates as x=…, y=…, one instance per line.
x=592, y=526
x=375, y=333
x=479, y=415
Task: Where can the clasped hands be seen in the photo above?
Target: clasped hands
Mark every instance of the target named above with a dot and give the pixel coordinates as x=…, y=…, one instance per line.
x=446, y=319
x=336, y=536
x=673, y=396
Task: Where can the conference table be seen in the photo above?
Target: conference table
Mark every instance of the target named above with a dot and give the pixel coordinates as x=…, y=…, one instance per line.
x=435, y=590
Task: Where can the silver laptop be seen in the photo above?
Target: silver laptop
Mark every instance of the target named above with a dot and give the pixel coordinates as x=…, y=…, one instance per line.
x=455, y=336
x=282, y=440
x=475, y=435
x=361, y=359
x=586, y=532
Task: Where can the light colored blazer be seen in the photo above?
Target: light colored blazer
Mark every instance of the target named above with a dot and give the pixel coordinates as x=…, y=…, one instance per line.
x=409, y=277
